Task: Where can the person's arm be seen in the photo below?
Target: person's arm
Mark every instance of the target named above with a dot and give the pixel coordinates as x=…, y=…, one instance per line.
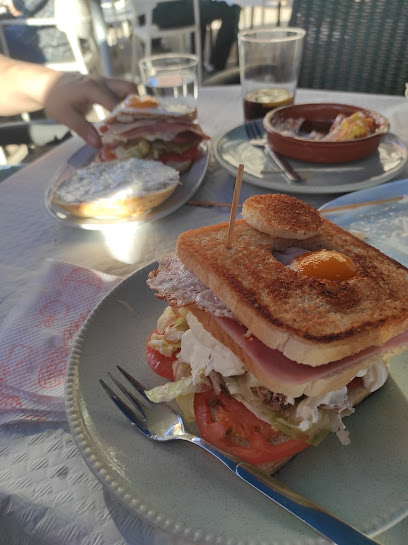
x=66, y=96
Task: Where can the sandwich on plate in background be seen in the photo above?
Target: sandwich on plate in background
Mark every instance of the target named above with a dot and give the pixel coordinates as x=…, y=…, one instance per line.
x=269, y=344
x=145, y=128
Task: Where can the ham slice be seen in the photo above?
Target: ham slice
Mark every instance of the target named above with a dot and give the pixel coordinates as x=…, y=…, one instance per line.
x=165, y=130
x=274, y=363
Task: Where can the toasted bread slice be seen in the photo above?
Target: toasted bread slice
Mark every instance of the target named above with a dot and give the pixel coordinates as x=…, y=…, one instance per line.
x=310, y=320
x=282, y=216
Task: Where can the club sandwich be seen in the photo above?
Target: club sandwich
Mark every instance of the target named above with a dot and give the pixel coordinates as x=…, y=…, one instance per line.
x=271, y=343
x=145, y=128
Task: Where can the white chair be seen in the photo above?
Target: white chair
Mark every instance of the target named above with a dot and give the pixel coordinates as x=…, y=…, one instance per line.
x=118, y=15
x=267, y=13
x=75, y=21
x=145, y=33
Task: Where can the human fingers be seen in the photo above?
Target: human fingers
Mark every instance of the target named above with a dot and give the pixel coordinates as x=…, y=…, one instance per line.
x=75, y=120
x=11, y=8
x=108, y=92
x=121, y=88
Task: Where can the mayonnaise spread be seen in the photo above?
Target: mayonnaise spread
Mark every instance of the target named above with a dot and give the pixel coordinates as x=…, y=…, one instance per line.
x=206, y=354
x=374, y=377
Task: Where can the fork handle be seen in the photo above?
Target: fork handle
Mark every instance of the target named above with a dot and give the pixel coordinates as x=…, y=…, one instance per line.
x=289, y=172
x=326, y=524
x=310, y=513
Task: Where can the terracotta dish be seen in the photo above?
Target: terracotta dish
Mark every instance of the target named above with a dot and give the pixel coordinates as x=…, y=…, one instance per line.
x=300, y=144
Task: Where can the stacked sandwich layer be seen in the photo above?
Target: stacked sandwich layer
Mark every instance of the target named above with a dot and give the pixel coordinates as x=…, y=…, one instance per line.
x=289, y=328
x=144, y=128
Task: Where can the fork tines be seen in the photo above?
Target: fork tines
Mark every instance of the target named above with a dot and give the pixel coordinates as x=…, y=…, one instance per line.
x=253, y=130
x=137, y=416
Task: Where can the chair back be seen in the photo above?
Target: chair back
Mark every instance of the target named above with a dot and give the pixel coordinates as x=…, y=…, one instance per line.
x=351, y=45
x=144, y=31
x=74, y=17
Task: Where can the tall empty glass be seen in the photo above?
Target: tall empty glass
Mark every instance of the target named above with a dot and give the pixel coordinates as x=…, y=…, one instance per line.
x=170, y=76
x=269, y=61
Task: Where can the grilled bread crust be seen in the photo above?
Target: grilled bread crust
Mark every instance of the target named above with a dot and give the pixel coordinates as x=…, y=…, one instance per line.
x=282, y=216
x=356, y=396
x=311, y=321
x=314, y=388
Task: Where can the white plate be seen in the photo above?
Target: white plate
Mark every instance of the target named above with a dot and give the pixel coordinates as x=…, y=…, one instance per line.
x=384, y=224
x=234, y=148
x=190, y=182
x=182, y=489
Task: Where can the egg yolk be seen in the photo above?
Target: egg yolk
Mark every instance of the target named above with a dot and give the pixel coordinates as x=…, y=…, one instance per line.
x=135, y=101
x=326, y=265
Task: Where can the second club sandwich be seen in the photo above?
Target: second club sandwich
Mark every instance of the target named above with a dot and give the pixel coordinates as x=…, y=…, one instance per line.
x=145, y=128
x=272, y=342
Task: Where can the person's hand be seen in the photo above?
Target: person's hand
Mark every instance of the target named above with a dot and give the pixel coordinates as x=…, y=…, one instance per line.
x=70, y=96
x=11, y=8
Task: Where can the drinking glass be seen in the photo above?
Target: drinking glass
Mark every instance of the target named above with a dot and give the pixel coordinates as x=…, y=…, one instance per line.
x=269, y=62
x=170, y=76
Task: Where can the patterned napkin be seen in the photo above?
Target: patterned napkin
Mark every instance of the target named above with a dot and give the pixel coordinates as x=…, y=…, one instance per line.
x=37, y=336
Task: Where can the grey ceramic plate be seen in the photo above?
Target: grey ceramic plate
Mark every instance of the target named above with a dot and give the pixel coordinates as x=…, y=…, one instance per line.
x=182, y=489
x=383, y=222
x=234, y=148
x=190, y=182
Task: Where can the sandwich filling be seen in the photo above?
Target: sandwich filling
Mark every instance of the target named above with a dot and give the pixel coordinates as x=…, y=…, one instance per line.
x=201, y=362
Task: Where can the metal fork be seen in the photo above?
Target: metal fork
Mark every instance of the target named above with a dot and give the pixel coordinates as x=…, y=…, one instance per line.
x=160, y=423
x=257, y=138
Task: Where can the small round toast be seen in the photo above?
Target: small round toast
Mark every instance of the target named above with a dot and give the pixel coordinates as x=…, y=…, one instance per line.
x=282, y=216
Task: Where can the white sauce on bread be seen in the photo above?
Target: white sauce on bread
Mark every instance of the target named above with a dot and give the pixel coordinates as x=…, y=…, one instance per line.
x=205, y=354
x=123, y=179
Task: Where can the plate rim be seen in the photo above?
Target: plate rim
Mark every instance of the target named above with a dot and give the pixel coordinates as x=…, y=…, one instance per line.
x=288, y=187
x=354, y=197
x=158, y=213
x=87, y=449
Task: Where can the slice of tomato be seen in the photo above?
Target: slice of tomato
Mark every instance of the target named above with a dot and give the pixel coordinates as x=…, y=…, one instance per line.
x=229, y=425
x=107, y=154
x=160, y=364
x=189, y=155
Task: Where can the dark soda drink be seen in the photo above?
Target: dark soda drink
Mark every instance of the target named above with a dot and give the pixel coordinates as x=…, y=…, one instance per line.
x=259, y=102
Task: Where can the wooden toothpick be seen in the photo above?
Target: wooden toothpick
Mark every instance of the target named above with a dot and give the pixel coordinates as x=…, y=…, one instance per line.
x=235, y=198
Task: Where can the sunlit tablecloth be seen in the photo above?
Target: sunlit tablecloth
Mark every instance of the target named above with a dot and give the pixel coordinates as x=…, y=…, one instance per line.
x=47, y=493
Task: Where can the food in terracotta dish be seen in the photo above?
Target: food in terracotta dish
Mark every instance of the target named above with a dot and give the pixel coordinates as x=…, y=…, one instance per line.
x=357, y=125
x=325, y=132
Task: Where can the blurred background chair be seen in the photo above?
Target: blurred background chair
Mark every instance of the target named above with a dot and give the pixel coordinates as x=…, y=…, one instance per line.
x=57, y=33
x=24, y=141
x=63, y=35
x=144, y=31
x=353, y=45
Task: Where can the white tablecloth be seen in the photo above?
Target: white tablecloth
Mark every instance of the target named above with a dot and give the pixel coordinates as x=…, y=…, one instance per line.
x=47, y=493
